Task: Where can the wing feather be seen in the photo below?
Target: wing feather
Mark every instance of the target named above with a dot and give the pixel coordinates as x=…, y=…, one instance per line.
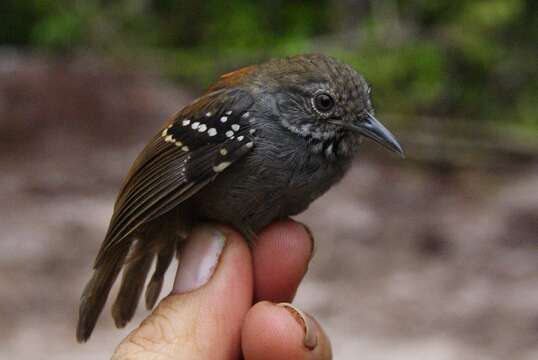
x=185, y=156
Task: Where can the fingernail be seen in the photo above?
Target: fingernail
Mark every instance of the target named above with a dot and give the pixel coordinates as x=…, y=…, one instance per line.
x=199, y=258
x=310, y=340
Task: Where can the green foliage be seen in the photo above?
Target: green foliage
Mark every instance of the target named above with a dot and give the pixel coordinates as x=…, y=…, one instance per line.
x=405, y=79
x=16, y=18
x=465, y=58
x=59, y=31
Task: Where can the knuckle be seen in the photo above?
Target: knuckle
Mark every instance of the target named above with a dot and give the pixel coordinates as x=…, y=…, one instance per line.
x=153, y=339
x=155, y=330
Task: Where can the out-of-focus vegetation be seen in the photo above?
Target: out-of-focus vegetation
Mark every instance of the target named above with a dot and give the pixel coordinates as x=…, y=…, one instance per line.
x=473, y=59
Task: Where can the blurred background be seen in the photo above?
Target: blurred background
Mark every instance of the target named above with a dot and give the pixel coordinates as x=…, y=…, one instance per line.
x=434, y=257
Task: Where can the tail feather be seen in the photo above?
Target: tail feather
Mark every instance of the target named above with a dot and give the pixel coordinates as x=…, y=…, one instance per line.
x=159, y=238
x=155, y=285
x=132, y=284
x=96, y=292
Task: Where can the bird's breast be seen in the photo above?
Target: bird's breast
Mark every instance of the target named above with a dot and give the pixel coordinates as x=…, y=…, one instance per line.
x=277, y=179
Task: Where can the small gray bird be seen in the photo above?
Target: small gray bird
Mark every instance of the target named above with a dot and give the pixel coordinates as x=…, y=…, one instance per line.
x=261, y=144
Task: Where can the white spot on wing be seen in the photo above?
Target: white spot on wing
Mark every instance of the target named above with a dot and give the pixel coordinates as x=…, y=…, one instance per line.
x=185, y=148
x=223, y=151
x=212, y=132
x=235, y=127
x=240, y=138
x=202, y=128
x=208, y=114
x=223, y=119
x=220, y=167
x=195, y=125
x=229, y=133
x=249, y=144
x=185, y=122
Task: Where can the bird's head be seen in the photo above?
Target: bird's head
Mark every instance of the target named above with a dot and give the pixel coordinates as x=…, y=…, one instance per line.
x=317, y=97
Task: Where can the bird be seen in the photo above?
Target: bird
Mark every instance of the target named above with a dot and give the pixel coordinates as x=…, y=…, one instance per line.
x=260, y=144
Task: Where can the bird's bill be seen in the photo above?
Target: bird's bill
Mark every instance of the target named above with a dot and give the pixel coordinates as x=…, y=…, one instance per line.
x=373, y=129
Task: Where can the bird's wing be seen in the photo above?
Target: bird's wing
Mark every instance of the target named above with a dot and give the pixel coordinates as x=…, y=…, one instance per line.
x=193, y=147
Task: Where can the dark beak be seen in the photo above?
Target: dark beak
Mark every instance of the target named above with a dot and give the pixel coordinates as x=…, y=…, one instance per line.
x=374, y=130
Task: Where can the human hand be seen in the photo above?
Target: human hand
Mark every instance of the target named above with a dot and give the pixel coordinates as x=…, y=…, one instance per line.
x=209, y=314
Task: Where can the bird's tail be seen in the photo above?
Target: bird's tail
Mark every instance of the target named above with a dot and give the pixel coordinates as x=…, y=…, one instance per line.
x=95, y=294
x=163, y=246
x=132, y=284
x=153, y=241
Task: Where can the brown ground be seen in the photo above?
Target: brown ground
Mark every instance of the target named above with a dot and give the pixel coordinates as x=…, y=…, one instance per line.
x=413, y=261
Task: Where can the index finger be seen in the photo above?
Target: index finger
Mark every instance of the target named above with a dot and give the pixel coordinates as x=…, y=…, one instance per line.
x=280, y=257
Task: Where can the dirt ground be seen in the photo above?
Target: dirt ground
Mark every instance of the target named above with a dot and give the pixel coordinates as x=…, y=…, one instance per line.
x=412, y=261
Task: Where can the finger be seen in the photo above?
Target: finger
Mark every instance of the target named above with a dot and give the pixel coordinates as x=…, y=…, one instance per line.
x=281, y=256
x=202, y=317
x=280, y=332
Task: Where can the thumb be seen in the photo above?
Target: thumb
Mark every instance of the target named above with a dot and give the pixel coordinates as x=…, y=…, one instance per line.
x=202, y=317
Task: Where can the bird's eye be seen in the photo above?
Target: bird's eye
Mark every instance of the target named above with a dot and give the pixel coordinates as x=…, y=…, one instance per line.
x=323, y=102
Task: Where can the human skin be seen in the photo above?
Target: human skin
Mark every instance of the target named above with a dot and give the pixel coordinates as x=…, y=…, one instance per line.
x=217, y=319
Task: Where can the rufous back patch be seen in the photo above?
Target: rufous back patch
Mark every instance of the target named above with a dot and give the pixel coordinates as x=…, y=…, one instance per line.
x=232, y=78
